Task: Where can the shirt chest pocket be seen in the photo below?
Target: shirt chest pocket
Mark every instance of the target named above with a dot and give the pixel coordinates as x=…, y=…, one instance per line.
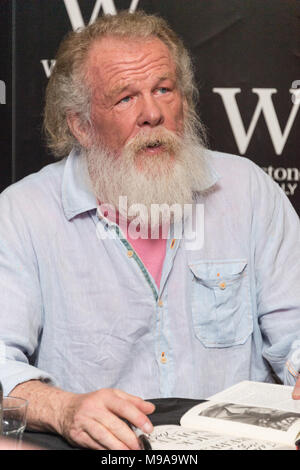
x=220, y=301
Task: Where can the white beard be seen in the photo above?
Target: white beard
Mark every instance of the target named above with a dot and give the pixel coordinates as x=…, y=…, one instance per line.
x=154, y=182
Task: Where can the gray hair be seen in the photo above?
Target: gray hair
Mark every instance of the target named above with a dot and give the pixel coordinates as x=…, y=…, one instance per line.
x=68, y=89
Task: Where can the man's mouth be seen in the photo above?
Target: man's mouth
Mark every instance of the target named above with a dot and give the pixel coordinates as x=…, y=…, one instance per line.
x=154, y=147
x=154, y=144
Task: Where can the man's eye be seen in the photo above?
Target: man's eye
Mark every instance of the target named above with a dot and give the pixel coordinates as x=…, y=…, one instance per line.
x=126, y=99
x=163, y=90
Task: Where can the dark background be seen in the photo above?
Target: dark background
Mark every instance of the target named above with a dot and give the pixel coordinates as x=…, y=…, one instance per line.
x=242, y=44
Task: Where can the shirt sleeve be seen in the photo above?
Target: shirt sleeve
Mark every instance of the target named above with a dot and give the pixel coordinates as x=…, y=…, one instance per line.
x=276, y=235
x=21, y=305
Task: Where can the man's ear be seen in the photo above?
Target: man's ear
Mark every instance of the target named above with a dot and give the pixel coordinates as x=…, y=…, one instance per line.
x=80, y=130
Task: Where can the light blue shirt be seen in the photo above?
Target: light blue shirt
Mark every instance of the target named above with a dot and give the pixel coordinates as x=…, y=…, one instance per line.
x=79, y=311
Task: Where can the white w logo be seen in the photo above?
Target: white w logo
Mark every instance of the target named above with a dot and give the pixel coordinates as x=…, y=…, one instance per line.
x=108, y=6
x=265, y=106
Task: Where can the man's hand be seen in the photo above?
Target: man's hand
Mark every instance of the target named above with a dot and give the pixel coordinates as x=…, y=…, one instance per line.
x=93, y=420
x=296, y=391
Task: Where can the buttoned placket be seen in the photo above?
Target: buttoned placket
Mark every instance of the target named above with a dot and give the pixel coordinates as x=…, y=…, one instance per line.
x=164, y=341
x=162, y=335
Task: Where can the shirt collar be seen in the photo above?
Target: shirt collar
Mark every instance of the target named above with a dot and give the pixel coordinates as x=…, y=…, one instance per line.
x=77, y=192
x=210, y=176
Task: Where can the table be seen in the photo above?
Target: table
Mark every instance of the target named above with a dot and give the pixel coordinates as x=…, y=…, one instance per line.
x=168, y=411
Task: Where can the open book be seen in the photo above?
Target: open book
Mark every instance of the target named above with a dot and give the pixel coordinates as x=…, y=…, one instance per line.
x=247, y=416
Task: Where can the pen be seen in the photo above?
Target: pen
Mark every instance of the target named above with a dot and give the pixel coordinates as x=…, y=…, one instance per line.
x=142, y=438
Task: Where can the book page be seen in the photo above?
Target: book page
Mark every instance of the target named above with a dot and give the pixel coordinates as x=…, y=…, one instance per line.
x=260, y=394
x=245, y=416
x=169, y=437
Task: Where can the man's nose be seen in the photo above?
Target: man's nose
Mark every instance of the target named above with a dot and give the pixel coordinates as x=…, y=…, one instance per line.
x=150, y=112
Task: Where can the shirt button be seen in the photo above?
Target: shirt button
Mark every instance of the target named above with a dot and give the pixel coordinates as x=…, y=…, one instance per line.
x=160, y=303
x=163, y=358
x=222, y=285
x=129, y=253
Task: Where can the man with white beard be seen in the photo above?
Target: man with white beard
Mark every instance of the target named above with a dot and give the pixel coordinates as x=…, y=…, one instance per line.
x=110, y=321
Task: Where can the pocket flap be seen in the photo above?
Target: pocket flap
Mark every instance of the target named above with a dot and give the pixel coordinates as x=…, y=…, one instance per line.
x=215, y=269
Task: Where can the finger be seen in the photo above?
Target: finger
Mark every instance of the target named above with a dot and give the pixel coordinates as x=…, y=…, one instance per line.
x=113, y=433
x=103, y=431
x=125, y=409
x=296, y=391
x=146, y=406
x=88, y=442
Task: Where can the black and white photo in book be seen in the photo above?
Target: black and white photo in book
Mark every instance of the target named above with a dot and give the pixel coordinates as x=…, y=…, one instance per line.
x=264, y=417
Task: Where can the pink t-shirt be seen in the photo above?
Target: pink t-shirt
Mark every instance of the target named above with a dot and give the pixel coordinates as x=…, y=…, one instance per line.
x=152, y=252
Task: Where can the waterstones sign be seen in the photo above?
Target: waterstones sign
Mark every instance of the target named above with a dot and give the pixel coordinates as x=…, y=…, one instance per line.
x=264, y=106
x=287, y=178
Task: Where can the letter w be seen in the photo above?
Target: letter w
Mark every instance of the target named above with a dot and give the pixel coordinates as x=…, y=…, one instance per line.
x=265, y=106
x=108, y=6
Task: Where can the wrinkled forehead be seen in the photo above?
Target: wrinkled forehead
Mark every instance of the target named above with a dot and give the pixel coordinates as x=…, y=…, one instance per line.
x=113, y=55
